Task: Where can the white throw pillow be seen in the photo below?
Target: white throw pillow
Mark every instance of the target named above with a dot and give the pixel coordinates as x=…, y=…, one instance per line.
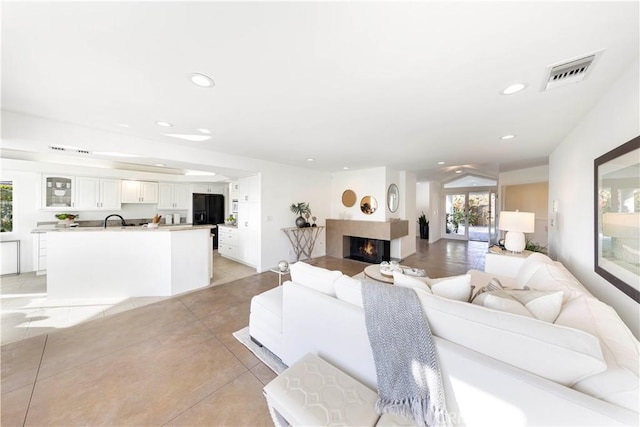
x=544, y=305
x=455, y=287
x=501, y=300
x=493, y=285
x=349, y=289
x=561, y=354
x=529, y=267
x=313, y=277
x=406, y=281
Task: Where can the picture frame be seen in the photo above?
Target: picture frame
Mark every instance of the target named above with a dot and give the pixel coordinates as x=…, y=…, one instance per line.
x=617, y=217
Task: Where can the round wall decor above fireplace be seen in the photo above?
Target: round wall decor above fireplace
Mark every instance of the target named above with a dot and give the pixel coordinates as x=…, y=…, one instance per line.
x=368, y=205
x=393, y=197
x=349, y=198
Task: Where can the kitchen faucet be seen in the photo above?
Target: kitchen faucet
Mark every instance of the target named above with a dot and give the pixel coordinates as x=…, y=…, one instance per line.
x=109, y=216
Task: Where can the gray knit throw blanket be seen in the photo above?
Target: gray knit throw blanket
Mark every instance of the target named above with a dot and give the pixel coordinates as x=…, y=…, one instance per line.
x=407, y=368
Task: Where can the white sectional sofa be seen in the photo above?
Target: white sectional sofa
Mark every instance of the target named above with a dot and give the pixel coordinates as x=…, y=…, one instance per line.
x=499, y=368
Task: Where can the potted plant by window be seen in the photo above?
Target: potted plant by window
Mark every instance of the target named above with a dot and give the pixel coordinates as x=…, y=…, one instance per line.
x=423, y=222
x=301, y=209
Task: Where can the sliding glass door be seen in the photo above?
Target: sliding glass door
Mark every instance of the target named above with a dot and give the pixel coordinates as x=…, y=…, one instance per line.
x=470, y=215
x=455, y=216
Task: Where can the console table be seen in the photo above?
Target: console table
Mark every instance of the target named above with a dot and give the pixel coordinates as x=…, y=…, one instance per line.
x=303, y=239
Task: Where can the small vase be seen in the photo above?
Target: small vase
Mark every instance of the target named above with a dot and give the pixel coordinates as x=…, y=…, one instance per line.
x=300, y=222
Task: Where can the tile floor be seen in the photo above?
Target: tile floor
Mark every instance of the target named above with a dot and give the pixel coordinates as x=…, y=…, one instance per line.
x=170, y=362
x=27, y=312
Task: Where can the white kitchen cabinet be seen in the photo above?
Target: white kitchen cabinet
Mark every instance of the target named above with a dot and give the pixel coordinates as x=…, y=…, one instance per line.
x=249, y=232
x=207, y=188
x=40, y=253
x=249, y=189
x=228, y=242
x=234, y=190
x=58, y=192
x=139, y=192
x=98, y=193
x=173, y=196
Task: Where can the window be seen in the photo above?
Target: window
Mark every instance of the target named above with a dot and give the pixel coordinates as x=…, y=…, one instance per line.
x=6, y=206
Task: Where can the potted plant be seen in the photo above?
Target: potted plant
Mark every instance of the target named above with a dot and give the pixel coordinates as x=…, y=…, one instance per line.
x=301, y=209
x=423, y=222
x=66, y=219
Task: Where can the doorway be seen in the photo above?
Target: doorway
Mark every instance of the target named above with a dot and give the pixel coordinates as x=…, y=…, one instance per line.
x=470, y=215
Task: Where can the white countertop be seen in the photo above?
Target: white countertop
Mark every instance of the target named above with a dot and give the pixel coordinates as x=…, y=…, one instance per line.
x=162, y=227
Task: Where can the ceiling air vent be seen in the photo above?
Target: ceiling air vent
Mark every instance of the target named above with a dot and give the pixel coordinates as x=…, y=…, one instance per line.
x=65, y=148
x=568, y=72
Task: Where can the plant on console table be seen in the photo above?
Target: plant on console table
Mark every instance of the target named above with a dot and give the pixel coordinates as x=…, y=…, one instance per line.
x=423, y=222
x=301, y=209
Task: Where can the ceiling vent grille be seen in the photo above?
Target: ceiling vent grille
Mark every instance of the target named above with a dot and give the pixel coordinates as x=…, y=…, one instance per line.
x=70, y=149
x=573, y=71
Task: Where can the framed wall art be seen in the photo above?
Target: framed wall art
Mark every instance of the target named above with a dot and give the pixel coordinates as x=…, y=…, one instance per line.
x=617, y=217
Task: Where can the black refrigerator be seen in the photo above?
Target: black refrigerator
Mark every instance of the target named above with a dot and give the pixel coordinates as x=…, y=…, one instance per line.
x=209, y=209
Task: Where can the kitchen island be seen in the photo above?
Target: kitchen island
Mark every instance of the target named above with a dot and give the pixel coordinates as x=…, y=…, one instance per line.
x=97, y=262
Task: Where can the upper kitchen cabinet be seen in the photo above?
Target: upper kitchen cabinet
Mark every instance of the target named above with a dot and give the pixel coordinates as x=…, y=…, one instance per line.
x=173, y=196
x=234, y=190
x=139, y=192
x=97, y=193
x=249, y=189
x=58, y=192
x=208, y=188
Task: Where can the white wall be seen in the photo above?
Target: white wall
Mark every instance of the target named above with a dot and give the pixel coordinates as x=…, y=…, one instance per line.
x=281, y=187
x=407, y=210
x=423, y=204
x=364, y=182
x=612, y=122
x=436, y=212
x=524, y=176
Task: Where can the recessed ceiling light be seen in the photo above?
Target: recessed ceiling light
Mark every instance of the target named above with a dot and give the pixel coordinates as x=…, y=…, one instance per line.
x=459, y=171
x=441, y=163
x=345, y=167
x=164, y=124
x=203, y=130
x=514, y=88
x=508, y=137
x=160, y=165
x=202, y=80
x=122, y=125
x=187, y=137
x=310, y=159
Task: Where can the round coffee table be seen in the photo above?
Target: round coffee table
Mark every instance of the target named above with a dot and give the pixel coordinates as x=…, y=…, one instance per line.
x=373, y=272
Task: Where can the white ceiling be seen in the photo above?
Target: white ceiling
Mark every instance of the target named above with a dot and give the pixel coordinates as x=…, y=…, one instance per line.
x=358, y=84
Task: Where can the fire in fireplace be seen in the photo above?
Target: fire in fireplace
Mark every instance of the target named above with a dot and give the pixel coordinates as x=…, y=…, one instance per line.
x=369, y=250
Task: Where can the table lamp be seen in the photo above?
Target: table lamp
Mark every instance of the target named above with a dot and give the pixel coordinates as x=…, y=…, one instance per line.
x=516, y=224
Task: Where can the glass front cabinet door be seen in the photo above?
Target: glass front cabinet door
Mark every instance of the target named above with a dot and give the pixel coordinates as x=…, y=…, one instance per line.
x=57, y=192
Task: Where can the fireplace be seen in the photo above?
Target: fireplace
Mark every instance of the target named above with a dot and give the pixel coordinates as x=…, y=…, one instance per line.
x=373, y=251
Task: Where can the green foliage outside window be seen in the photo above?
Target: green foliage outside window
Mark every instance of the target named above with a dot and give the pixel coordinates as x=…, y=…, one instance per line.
x=6, y=206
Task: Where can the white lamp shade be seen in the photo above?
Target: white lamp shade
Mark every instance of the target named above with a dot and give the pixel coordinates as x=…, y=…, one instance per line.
x=523, y=222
